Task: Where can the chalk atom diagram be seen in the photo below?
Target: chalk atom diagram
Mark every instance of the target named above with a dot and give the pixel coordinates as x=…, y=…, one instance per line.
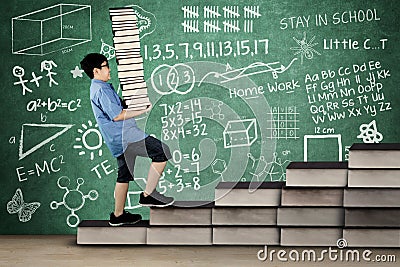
x=369, y=133
x=107, y=50
x=73, y=199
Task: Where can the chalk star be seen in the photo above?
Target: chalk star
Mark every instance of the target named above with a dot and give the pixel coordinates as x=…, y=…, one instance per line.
x=77, y=72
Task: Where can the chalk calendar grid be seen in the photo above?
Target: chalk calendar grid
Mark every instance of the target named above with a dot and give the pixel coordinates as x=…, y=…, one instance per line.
x=283, y=122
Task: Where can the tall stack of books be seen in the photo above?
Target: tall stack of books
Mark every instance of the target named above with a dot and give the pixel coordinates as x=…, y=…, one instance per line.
x=129, y=59
x=246, y=213
x=372, y=199
x=312, y=212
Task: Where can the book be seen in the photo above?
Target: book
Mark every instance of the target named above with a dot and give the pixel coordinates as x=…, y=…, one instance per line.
x=310, y=216
x=371, y=197
x=317, y=174
x=312, y=196
x=372, y=217
x=375, y=156
x=374, y=178
x=248, y=194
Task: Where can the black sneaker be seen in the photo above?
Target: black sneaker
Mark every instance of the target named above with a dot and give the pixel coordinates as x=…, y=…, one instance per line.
x=155, y=199
x=124, y=218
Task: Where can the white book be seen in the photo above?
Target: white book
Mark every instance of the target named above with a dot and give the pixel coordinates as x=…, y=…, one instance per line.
x=374, y=178
x=248, y=194
x=126, y=39
x=127, y=46
x=126, y=32
x=372, y=237
x=132, y=60
x=121, y=10
x=138, y=107
x=310, y=236
x=317, y=174
x=131, y=80
x=126, y=74
x=130, y=67
x=133, y=98
x=124, y=26
x=132, y=89
x=372, y=197
x=127, y=53
x=310, y=216
x=123, y=17
x=137, y=101
x=374, y=156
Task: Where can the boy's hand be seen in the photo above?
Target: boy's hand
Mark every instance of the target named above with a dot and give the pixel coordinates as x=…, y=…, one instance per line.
x=127, y=114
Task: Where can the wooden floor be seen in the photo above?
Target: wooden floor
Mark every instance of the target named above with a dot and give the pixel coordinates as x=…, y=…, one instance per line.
x=62, y=251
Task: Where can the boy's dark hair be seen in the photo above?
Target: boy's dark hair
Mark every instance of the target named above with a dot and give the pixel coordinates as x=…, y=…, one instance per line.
x=91, y=61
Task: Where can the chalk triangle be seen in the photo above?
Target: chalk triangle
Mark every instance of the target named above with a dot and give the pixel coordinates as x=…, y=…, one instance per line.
x=51, y=132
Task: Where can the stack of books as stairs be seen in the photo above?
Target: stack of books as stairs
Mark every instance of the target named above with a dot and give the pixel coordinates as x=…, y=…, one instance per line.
x=312, y=212
x=320, y=203
x=372, y=198
x=243, y=214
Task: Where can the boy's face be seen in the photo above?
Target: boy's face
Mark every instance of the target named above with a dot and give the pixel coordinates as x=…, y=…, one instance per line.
x=102, y=73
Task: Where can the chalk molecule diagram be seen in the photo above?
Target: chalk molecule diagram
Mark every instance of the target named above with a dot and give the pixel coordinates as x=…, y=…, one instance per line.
x=73, y=199
x=107, y=50
x=369, y=133
x=219, y=167
x=216, y=111
x=260, y=167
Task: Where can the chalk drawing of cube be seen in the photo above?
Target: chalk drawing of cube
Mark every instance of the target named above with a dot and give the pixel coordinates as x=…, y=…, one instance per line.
x=51, y=29
x=240, y=133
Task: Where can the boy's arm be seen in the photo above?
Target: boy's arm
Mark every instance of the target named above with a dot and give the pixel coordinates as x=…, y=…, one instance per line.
x=127, y=114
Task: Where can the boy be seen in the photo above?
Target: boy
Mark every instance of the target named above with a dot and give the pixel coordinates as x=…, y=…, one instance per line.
x=125, y=141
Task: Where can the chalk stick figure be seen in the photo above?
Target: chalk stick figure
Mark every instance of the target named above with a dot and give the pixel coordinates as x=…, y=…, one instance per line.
x=19, y=72
x=47, y=65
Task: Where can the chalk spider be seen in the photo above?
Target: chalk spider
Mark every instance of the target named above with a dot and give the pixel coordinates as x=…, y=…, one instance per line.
x=305, y=48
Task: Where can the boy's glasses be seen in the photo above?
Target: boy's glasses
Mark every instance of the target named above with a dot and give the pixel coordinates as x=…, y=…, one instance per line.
x=106, y=65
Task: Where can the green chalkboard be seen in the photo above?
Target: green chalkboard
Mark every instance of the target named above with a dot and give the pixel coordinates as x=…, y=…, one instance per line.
x=239, y=90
